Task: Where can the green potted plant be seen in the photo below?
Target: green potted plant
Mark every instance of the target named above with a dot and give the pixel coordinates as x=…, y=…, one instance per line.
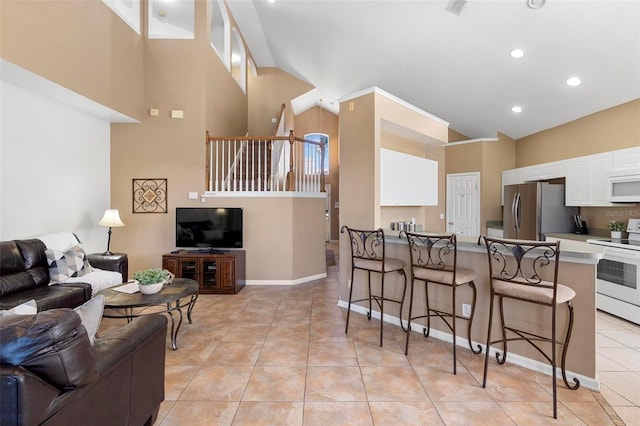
x=616, y=227
x=151, y=281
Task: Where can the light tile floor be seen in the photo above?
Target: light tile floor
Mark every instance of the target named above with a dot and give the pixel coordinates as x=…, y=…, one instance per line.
x=277, y=355
x=618, y=364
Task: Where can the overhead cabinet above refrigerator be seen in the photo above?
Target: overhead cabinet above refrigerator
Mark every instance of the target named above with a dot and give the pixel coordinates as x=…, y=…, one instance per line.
x=534, y=209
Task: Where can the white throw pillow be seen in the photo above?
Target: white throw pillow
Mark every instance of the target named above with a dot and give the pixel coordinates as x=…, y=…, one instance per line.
x=91, y=315
x=66, y=264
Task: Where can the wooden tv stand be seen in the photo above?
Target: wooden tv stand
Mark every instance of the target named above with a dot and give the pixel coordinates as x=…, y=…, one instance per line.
x=218, y=272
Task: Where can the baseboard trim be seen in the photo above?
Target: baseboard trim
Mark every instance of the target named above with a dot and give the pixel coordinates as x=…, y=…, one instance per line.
x=522, y=361
x=287, y=282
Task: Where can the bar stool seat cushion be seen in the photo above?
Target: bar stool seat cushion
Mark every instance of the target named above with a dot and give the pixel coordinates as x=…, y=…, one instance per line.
x=463, y=275
x=534, y=293
x=390, y=264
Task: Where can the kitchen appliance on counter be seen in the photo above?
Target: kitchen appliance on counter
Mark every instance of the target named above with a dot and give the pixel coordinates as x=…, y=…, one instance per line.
x=618, y=277
x=533, y=209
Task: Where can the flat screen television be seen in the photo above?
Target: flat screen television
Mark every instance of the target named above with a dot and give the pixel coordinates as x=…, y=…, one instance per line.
x=208, y=228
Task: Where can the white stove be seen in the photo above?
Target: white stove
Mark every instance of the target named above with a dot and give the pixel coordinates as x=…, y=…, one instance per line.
x=618, y=284
x=631, y=243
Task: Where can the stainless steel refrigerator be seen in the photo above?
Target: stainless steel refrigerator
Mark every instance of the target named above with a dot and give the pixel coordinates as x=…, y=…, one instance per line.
x=533, y=209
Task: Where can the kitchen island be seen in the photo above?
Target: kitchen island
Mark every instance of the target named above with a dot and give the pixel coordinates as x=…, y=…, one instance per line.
x=577, y=270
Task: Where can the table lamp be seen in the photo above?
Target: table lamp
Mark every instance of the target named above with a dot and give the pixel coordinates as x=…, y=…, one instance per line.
x=111, y=218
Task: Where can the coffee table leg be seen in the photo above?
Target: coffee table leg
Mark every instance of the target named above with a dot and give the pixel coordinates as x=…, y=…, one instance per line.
x=190, y=306
x=174, y=327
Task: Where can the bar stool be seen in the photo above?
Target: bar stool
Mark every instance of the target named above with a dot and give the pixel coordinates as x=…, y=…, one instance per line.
x=434, y=260
x=516, y=269
x=368, y=254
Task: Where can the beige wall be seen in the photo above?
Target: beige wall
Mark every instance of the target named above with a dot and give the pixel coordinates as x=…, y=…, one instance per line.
x=614, y=128
x=319, y=120
x=267, y=92
x=81, y=45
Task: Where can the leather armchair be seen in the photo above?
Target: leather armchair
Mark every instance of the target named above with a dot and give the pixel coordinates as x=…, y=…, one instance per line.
x=50, y=374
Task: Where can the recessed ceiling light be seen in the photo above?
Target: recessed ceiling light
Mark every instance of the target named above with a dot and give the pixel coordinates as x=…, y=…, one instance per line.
x=574, y=81
x=517, y=53
x=516, y=109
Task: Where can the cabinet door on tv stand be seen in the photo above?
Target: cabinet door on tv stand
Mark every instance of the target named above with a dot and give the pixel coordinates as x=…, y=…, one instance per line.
x=171, y=265
x=226, y=267
x=210, y=275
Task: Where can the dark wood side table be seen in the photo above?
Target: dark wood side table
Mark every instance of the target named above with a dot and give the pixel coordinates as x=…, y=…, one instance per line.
x=118, y=262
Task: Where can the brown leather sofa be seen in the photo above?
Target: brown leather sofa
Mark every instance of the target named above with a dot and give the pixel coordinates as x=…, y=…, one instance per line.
x=50, y=374
x=24, y=275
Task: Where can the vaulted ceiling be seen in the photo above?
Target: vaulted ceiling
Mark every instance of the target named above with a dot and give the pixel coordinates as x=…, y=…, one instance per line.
x=457, y=66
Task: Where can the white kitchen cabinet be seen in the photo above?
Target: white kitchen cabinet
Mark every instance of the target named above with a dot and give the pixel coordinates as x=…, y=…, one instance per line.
x=586, y=183
x=407, y=180
x=626, y=159
x=544, y=171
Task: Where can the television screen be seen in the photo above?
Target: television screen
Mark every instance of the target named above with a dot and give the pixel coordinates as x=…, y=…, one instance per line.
x=209, y=227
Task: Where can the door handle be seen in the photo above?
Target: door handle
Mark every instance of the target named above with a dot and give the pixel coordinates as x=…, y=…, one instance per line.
x=450, y=223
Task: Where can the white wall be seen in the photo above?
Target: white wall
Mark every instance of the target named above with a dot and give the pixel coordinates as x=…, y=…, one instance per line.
x=54, y=169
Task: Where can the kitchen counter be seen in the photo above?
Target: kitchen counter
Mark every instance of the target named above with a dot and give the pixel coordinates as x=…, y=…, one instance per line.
x=577, y=237
x=577, y=270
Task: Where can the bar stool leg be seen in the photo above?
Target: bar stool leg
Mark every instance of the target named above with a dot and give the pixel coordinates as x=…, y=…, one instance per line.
x=453, y=326
x=346, y=329
x=404, y=293
x=576, y=382
x=369, y=283
x=470, y=321
x=406, y=345
x=486, y=355
x=427, y=330
x=504, y=335
x=381, y=306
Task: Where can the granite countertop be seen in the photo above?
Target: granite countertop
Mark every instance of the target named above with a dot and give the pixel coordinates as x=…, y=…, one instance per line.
x=586, y=253
x=576, y=237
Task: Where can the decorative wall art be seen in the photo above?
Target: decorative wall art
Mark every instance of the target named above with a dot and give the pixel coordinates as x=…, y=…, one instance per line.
x=149, y=195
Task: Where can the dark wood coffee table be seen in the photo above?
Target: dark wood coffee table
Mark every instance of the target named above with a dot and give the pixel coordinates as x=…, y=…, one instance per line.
x=181, y=293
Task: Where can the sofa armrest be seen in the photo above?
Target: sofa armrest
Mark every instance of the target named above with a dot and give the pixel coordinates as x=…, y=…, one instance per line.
x=116, y=342
x=25, y=396
x=118, y=262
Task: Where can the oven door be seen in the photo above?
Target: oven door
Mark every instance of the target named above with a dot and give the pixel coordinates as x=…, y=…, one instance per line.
x=619, y=275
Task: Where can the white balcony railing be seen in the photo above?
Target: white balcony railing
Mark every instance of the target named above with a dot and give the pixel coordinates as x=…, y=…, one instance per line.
x=276, y=163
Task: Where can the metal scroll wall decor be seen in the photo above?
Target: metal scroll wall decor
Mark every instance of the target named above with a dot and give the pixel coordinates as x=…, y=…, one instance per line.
x=149, y=195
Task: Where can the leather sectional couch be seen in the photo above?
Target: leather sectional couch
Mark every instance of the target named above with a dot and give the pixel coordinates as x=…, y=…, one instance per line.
x=24, y=275
x=50, y=374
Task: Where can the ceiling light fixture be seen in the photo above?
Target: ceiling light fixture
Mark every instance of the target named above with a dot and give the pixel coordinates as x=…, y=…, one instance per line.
x=535, y=4
x=574, y=81
x=517, y=53
x=516, y=109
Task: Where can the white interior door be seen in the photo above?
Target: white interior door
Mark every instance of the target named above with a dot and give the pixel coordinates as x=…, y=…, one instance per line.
x=463, y=203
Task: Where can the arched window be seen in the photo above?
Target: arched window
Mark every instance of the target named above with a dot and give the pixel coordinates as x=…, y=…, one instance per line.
x=238, y=60
x=312, y=152
x=220, y=31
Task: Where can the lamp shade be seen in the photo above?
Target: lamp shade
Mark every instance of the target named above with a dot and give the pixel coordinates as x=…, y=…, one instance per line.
x=111, y=218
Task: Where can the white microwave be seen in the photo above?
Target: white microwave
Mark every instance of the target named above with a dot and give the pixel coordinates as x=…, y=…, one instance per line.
x=624, y=187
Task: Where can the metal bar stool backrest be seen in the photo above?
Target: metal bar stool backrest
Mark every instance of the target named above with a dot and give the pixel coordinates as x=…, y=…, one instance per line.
x=523, y=263
x=433, y=251
x=367, y=245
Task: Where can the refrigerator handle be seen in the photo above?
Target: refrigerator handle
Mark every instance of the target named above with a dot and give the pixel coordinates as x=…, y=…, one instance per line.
x=514, y=201
x=517, y=211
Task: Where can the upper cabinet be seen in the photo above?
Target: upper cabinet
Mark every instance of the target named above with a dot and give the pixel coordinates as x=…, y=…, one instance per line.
x=586, y=177
x=586, y=183
x=407, y=180
x=626, y=159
